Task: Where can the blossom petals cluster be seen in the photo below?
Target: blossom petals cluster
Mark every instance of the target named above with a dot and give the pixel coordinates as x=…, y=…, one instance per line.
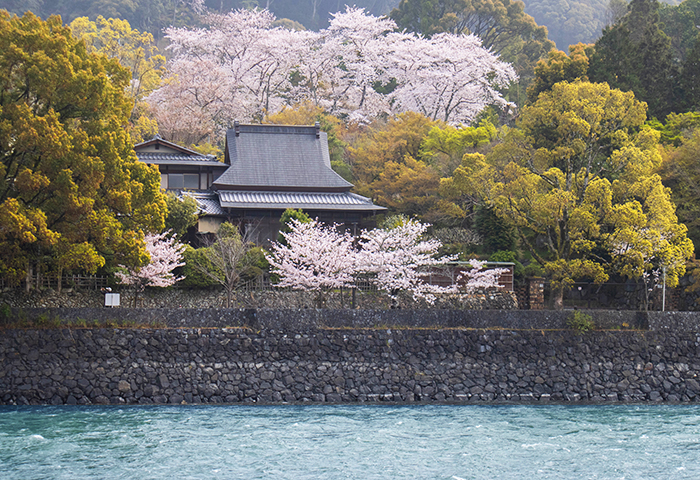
x=165, y=256
x=314, y=258
x=241, y=67
x=396, y=259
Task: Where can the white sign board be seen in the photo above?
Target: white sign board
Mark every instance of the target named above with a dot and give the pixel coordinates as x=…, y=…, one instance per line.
x=112, y=300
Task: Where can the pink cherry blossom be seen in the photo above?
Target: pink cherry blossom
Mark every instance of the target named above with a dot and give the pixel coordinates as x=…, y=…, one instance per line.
x=166, y=255
x=240, y=67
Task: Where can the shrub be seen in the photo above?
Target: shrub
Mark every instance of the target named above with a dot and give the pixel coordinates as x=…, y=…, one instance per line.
x=581, y=322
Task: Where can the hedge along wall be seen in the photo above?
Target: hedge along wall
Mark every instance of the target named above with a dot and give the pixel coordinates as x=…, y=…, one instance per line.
x=234, y=356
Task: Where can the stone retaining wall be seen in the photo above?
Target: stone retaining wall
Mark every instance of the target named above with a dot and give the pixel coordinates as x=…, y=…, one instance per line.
x=317, y=356
x=491, y=299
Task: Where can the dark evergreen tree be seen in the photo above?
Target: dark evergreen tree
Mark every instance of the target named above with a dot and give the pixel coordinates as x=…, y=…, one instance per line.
x=497, y=234
x=635, y=55
x=691, y=76
x=680, y=22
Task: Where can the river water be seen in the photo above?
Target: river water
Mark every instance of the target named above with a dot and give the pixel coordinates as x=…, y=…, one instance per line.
x=350, y=442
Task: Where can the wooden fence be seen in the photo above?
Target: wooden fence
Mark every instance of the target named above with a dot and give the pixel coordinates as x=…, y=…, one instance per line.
x=83, y=282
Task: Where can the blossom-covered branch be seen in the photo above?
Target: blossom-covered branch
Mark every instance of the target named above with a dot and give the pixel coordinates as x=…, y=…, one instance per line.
x=165, y=256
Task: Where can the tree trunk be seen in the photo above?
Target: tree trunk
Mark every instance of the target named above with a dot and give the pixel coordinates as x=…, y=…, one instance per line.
x=229, y=297
x=28, y=279
x=558, y=297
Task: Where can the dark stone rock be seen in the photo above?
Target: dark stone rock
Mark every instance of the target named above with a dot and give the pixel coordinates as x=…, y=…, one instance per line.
x=297, y=362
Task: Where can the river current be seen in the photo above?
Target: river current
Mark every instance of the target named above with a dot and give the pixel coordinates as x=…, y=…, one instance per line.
x=350, y=442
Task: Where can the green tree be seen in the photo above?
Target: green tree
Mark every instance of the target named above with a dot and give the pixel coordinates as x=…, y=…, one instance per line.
x=677, y=128
x=576, y=180
x=384, y=141
x=444, y=148
x=285, y=220
x=72, y=189
x=194, y=278
x=680, y=172
x=498, y=234
x=444, y=145
x=569, y=21
x=227, y=260
x=134, y=50
x=680, y=22
x=560, y=67
x=182, y=213
x=635, y=55
x=690, y=74
x=388, y=167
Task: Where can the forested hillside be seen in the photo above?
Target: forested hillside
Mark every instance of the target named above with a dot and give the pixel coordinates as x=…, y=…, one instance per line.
x=155, y=15
x=570, y=22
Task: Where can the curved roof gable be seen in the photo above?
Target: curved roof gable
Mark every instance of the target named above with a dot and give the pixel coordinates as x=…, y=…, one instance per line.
x=158, y=151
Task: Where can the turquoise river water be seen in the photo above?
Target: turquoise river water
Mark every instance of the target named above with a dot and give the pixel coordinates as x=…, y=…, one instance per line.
x=350, y=442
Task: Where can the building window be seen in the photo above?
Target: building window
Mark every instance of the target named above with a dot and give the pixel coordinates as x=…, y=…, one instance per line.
x=183, y=180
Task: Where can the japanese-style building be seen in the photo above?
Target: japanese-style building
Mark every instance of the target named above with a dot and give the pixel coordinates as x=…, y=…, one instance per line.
x=266, y=169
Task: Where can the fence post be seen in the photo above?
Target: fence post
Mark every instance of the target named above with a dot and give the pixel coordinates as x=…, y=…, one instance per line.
x=535, y=293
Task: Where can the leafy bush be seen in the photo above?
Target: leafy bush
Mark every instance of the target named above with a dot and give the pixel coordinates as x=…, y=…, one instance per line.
x=194, y=276
x=509, y=256
x=254, y=264
x=533, y=270
x=581, y=322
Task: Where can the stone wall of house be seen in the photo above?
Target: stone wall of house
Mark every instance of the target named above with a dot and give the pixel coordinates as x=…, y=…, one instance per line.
x=320, y=356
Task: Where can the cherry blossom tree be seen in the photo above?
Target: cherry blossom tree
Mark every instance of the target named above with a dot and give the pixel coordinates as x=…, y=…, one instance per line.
x=316, y=258
x=447, y=77
x=165, y=256
x=396, y=259
x=240, y=67
x=479, y=277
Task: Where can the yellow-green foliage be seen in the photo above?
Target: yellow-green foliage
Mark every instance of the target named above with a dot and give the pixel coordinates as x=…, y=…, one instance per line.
x=581, y=322
x=72, y=193
x=577, y=177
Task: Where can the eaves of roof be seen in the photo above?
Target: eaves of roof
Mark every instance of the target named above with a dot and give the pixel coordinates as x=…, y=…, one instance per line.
x=303, y=200
x=175, y=159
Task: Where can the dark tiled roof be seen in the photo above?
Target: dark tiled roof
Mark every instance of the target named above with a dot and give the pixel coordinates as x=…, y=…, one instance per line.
x=208, y=202
x=306, y=200
x=155, y=158
x=157, y=140
x=279, y=157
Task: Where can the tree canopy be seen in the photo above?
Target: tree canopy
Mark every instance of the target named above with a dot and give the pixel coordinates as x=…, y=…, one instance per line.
x=72, y=194
x=359, y=68
x=576, y=179
x=569, y=22
x=134, y=50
